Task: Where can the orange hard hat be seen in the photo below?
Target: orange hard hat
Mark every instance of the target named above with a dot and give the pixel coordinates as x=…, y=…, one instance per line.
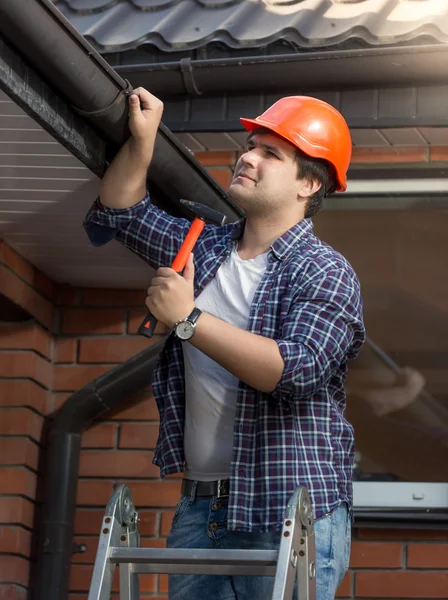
x=314, y=127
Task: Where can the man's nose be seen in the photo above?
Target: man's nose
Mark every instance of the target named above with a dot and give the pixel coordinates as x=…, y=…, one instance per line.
x=249, y=158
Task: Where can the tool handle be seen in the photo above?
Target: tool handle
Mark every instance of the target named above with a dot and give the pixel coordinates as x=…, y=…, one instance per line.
x=188, y=244
x=148, y=326
x=149, y=323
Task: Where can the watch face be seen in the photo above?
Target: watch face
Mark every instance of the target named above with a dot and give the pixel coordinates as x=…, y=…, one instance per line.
x=185, y=330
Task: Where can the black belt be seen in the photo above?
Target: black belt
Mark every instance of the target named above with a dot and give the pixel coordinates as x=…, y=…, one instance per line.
x=219, y=488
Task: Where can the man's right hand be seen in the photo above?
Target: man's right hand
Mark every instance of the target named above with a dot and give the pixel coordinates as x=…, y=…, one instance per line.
x=124, y=183
x=145, y=113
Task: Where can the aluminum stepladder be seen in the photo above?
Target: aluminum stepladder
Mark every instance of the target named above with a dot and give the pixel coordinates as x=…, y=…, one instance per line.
x=120, y=539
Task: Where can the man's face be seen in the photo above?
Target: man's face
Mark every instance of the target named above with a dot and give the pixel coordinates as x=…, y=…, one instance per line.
x=265, y=177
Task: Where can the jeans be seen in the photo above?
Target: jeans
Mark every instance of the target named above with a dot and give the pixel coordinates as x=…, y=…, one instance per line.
x=202, y=523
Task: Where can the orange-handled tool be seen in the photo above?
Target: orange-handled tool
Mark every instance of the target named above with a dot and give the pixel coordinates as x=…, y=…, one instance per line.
x=203, y=214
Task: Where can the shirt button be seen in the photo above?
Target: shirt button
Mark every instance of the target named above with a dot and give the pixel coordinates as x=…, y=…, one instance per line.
x=213, y=526
x=217, y=505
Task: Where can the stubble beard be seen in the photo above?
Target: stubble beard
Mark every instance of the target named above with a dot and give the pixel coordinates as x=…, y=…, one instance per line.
x=251, y=201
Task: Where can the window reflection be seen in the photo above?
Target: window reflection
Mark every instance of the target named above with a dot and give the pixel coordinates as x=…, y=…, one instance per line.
x=397, y=389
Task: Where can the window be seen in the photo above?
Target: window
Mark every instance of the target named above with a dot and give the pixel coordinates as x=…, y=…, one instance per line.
x=397, y=389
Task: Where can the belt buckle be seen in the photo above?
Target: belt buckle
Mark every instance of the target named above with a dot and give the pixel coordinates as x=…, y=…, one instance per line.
x=222, y=491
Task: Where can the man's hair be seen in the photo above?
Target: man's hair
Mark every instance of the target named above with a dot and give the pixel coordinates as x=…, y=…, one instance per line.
x=321, y=170
x=310, y=168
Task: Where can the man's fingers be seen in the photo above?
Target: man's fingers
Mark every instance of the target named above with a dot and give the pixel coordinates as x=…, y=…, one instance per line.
x=147, y=100
x=166, y=272
x=134, y=103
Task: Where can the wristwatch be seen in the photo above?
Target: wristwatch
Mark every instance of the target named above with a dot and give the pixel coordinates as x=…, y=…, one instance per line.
x=184, y=330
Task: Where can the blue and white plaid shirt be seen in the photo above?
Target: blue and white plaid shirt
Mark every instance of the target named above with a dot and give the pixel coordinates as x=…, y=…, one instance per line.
x=309, y=302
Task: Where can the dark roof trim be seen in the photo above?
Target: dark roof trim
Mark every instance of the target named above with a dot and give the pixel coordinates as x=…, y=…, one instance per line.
x=412, y=65
x=21, y=83
x=77, y=74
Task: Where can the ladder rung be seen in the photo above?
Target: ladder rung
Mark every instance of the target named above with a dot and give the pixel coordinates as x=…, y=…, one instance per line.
x=195, y=561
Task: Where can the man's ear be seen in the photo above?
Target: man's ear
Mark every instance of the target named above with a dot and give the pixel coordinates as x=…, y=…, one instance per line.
x=308, y=187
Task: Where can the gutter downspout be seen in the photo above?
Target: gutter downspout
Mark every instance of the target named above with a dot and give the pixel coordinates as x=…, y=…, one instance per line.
x=94, y=400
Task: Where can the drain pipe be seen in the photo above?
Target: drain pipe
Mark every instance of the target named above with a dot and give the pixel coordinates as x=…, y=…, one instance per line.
x=94, y=400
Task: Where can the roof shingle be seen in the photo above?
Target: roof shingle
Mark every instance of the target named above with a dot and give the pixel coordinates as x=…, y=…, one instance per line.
x=176, y=25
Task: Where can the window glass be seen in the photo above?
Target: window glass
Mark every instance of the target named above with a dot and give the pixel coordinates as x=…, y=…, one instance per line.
x=397, y=389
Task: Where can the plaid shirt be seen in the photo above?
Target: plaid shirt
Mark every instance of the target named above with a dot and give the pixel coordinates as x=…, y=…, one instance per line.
x=309, y=302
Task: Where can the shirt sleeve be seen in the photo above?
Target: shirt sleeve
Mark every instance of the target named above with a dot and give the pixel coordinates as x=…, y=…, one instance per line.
x=144, y=228
x=323, y=330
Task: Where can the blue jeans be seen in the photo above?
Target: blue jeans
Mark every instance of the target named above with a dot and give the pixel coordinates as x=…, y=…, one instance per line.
x=202, y=523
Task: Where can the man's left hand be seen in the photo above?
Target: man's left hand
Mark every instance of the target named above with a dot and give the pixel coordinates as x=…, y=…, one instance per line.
x=171, y=296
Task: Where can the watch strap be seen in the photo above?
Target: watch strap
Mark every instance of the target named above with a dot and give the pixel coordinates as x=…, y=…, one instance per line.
x=194, y=315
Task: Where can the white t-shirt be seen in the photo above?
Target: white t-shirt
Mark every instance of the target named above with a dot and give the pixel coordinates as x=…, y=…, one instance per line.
x=210, y=390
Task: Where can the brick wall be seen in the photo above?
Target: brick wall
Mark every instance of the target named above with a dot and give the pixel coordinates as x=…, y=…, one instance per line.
x=74, y=336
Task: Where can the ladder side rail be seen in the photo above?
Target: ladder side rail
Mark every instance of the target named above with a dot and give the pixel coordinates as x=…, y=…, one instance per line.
x=104, y=568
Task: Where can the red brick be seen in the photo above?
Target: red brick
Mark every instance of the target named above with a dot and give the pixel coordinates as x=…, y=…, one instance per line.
x=376, y=555
x=15, y=510
x=58, y=400
x=25, y=337
x=139, y=435
x=11, y=285
x=68, y=295
x=16, y=263
x=438, y=153
x=135, y=318
x=81, y=576
x=163, y=583
x=65, y=350
x=91, y=544
x=15, y=540
x=147, y=523
x=403, y=534
x=17, y=481
x=222, y=176
x=141, y=407
x=102, y=435
x=36, y=305
x=115, y=350
x=401, y=584
x=102, y=297
x=148, y=583
x=164, y=494
x=216, y=159
x=71, y=378
x=14, y=569
x=23, y=393
x=152, y=543
x=402, y=154
x=94, y=493
x=13, y=592
x=26, y=297
x=345, y=589
x=88, y=521
x=46, y=286
x=18, y=451
x=28, y=365
x=90, y=321
x=20, y=421
x=428, y=556
x=165, y=522
x=117, y=464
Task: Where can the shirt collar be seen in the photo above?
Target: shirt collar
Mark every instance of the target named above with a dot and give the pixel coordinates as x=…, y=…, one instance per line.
x=286, y=243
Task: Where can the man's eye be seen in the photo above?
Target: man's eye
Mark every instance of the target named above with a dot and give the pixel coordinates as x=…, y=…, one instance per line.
x=270, y=153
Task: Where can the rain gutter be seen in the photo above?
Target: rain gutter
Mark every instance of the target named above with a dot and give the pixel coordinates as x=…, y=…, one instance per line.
x=275, y=74
x=59, y=54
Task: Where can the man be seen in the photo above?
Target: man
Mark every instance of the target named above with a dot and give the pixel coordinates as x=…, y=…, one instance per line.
x=251, y=400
